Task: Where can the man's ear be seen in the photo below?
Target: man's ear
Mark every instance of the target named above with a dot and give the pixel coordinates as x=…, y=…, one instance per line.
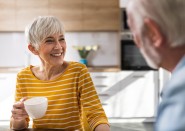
x=154, y=32
x=32, y=49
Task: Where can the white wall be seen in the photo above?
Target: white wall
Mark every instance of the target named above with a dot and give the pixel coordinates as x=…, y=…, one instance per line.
x=106, y=55
x=14, y=52
x=12, y=49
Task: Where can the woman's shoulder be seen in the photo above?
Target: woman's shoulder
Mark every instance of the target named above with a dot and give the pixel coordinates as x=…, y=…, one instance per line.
x=25, y=70
x=77, y=65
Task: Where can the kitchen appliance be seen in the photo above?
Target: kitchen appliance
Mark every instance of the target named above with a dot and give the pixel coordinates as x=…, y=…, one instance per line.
x=131, y=58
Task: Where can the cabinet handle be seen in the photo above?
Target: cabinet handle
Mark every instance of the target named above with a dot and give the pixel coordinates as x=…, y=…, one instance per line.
x=101, y=77
x=137, y=76
x=101, y=86
x=104, y=104
x=103, y=94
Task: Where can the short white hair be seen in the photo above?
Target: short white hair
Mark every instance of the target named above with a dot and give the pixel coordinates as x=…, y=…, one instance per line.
x=42, y=27
x=168, y=14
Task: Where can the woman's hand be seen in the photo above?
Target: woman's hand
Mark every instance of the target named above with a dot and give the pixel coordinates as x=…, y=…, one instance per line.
x=102, y=127
x=19, y=115
x=18, y=111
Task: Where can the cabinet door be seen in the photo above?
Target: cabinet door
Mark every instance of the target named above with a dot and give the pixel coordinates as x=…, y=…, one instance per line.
x=103, y=83
x=101, y=15
x=69, y=12
x=137, y=96
x=77, y=15
x=7, y=15
x=7, y=86
x=128, y=94
x=108, y=87
x=164, y=77
x=27, y=10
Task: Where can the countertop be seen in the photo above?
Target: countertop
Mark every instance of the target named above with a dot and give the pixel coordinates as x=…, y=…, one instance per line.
x=90, y=68
x=10, y=69
x=103, y=68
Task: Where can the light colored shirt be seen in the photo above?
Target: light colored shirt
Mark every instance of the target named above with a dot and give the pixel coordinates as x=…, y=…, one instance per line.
x=69, y=96
x=171, y=112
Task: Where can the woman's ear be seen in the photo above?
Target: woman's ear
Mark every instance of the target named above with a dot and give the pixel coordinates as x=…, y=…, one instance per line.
x=32, y=49
x=154, y=32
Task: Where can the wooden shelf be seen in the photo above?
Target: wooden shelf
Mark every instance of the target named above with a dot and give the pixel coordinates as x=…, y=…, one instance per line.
x=77, y=15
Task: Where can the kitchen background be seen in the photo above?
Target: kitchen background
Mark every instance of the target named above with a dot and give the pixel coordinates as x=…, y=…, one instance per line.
x=126, y=95
x=14, y=48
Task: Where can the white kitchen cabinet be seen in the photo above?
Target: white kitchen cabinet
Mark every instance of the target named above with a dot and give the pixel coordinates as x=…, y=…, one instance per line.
x=7, y=86
x=127, y=94
x=164, y=77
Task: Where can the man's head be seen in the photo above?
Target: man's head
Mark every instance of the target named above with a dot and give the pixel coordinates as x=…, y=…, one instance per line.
x=157, y=25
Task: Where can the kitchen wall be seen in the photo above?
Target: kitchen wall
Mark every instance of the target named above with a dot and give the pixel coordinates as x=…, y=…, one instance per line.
x=12, y=48
x=106, y=55
x=14, y=52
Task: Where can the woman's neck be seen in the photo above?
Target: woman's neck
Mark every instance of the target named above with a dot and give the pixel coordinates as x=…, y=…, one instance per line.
x=45, y=72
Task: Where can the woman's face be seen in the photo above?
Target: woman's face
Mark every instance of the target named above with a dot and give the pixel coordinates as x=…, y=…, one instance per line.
x=52, y=50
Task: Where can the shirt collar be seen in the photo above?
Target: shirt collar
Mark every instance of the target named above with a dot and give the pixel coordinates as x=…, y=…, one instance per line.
x=179, y=65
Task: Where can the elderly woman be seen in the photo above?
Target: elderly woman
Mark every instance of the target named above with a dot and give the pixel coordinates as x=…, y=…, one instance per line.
x=67, y=85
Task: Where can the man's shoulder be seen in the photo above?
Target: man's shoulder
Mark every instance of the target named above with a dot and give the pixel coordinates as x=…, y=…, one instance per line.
x=176, y=85
x=172, y=105
x=178, y=78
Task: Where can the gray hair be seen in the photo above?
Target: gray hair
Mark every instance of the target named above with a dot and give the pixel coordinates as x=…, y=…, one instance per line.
x=168, y=14
x=42, y=27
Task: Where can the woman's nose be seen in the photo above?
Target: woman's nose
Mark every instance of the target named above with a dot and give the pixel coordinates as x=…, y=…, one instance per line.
x=58, y=45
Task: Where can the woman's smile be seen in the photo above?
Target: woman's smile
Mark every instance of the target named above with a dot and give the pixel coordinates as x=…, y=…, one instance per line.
x=57, y=54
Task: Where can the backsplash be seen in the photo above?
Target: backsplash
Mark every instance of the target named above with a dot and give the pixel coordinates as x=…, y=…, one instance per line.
x=107, y=53
x=14, y=50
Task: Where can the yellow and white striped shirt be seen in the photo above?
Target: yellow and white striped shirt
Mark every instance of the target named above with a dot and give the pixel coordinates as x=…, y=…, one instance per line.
x=69, y=96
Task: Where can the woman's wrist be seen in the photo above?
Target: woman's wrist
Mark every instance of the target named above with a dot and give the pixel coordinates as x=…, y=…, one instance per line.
x=102, y=127
x=18, y=124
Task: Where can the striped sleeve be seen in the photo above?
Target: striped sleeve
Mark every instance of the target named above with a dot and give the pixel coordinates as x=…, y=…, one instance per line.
x=90, y=100
x=18, y=94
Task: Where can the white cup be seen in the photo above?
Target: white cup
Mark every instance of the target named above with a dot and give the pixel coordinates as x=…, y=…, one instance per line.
x=36, y=107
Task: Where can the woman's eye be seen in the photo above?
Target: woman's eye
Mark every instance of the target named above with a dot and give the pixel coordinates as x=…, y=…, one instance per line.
x=49, y=41
x=62, y=39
